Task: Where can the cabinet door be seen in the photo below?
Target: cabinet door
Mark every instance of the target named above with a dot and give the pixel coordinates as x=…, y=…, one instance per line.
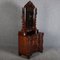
x=23, y=45
x=34, y=43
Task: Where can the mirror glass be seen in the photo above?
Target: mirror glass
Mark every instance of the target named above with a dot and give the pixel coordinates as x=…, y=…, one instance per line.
x=29, y=19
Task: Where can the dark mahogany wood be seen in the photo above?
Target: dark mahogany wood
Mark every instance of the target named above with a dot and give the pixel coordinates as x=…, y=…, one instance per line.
x=30, y=44
x=30, y=40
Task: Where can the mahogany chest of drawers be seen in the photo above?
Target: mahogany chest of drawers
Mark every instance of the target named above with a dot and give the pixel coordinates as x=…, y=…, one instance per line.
x=30, y=44
x=30, y=40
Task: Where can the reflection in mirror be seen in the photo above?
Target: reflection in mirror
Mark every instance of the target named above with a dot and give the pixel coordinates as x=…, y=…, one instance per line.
x=29, y=19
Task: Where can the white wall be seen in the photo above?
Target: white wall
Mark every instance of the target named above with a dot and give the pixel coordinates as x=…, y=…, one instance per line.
x=48, y=21
x=52, y=24
x=10, y=16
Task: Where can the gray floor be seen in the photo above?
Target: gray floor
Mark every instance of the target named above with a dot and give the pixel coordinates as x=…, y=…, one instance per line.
x=48, y=54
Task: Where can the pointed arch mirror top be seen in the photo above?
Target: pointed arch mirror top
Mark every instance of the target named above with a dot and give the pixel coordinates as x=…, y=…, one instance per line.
x=29, y=4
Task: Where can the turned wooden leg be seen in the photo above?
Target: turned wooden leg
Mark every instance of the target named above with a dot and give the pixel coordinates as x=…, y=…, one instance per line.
x=28, y=56
x=40, y=50
x=19, y=53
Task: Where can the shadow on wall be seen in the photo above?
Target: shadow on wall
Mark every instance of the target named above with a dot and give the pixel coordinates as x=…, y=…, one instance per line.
x=10, y=23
